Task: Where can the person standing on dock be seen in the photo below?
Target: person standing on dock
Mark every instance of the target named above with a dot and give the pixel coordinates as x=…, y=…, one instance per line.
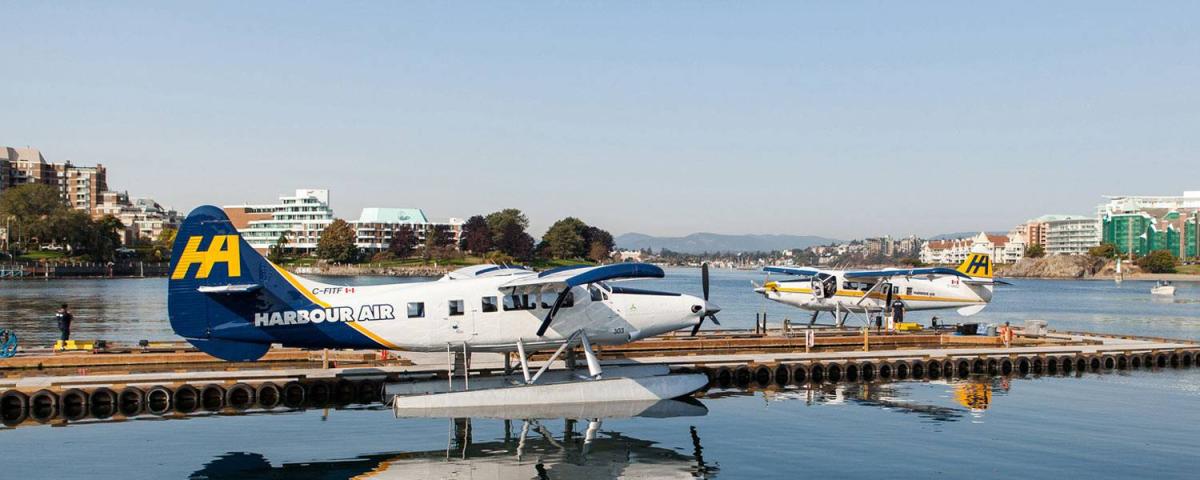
x=64, y=318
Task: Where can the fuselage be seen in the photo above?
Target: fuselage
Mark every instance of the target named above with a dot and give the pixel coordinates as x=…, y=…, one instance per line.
x=829, y=291
x=477, y=312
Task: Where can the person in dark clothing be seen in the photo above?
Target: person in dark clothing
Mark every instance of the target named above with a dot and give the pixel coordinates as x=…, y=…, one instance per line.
x=64, y=318
x=898, y=311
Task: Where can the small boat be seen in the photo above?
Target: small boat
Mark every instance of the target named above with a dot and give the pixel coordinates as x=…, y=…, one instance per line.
x=1163, y=288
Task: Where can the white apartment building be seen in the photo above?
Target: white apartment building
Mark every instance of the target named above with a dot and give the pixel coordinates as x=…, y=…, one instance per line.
x=1070, y=234
x=301, y=217
x=1003, y=248
x=376, y=226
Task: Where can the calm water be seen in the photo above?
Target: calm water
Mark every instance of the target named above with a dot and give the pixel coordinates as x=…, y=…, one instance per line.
x=1112, y=425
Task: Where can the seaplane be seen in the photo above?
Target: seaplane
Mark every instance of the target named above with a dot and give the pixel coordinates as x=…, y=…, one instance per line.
x=229, y=301
x=968, y=288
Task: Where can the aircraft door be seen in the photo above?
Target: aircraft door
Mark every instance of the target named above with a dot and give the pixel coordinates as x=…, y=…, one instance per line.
x=600, y=308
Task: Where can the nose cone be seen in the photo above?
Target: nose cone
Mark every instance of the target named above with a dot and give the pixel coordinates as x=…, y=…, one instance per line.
x=711, y=308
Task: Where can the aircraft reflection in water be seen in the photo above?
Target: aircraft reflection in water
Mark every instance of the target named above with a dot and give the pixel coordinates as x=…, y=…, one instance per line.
x=529, y=449
x=973, y=396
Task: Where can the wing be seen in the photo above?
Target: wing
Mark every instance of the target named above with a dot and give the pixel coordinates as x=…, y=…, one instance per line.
x=562, y=279
x=803, y=271
x=910, y=272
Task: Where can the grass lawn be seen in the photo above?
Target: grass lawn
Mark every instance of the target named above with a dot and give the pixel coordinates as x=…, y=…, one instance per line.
x=36, y=255
x=1188, y=269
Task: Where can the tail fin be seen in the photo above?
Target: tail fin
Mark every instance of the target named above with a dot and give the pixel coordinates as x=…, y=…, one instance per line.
x=217, y=284
x=977, y=265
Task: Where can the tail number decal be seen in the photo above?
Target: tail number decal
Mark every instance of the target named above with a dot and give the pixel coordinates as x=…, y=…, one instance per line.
x=222, y=249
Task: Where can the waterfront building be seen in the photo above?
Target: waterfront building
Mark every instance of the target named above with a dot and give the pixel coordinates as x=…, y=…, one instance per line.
x=1062, y=234
x=1003, y=248
x=376, y=226
x=1138, y=225
x=144, y=218
x=300, y=217
x=80, y=187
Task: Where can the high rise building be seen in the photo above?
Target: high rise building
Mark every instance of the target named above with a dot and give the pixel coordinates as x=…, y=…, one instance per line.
x=1138, y=225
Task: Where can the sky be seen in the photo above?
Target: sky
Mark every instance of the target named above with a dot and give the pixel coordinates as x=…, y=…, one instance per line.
x=841, y=119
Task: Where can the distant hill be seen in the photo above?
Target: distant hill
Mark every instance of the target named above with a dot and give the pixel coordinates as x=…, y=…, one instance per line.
x=715, y=242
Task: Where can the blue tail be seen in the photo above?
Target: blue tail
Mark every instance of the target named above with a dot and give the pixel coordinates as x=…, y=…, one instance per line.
x=218, y=283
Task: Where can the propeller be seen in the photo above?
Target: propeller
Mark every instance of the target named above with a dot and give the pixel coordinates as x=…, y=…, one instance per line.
x=708, y=312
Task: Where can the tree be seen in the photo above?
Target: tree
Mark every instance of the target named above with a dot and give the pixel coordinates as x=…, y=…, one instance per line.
x=337, y=243
x=477, y=235
x=36, y=210
x=598, y=252
x=438, y=239
x=565, y=239
x=514, y=242
x=1104, y=250
x=165, y=242
x=275, y=253
x=499, y=221
x=104, y=238
x=1035, y=251
x=1158, y=261
x=403, y=242
x=593, y=235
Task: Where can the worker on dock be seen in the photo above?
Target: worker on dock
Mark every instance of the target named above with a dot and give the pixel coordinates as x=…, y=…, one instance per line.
x=64, y=318
x=1006, y=334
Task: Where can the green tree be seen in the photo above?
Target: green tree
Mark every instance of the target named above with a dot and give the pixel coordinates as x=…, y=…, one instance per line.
x=165, y=242
x=598, y=252
x=565, y=239
x=592, y=235
x=403, y=242
x=277, y=253
x=438, y=239
x=337, y=243
x=477, y=235
x=36, y=210
x=104, y=238
x=499, y=221
x=1035, y=251
x=1158, y=261
x=1104, y=250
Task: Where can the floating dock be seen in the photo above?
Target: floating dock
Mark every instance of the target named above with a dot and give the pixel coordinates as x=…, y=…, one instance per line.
x=175, y=381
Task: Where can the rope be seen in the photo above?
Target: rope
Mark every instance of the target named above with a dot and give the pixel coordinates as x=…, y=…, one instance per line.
x=8, y=343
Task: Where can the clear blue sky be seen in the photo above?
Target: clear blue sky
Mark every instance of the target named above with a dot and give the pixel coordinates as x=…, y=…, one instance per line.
x=841, y=119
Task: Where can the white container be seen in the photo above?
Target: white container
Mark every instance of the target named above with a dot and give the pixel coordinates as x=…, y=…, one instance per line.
x=1036, y=328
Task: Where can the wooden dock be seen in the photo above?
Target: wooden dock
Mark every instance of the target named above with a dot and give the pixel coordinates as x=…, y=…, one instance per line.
x=174, y=381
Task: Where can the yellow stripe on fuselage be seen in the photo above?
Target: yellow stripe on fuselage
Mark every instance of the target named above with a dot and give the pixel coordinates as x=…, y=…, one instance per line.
x=313, y=298
x=879, y=296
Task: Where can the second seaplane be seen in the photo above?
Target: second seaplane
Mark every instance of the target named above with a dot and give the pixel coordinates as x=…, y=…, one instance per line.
x=968, y=288
x=230, y=302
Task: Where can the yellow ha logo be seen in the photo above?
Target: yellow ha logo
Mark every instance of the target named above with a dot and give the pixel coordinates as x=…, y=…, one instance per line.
x=222, y=249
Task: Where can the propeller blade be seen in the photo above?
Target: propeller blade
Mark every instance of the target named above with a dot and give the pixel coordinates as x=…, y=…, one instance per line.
x=714, y=318
x=696, y=329
x=704, y=279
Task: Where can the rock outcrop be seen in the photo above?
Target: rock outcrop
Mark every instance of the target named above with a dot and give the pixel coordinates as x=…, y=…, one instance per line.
x=1054, y=266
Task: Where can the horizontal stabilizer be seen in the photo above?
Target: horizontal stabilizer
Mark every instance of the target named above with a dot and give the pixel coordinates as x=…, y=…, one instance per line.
x=229, y=350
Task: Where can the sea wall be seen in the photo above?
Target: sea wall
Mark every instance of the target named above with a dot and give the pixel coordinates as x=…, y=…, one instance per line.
x=373, y=269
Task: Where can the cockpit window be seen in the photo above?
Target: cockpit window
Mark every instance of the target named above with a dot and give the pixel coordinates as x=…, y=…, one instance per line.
x=595, y=292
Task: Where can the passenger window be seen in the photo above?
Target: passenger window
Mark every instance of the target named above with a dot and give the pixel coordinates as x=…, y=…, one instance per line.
x=456, y=307
x=569, y=301
x=908, y=290
x=416, y=309
x=489, y=304
x=519, y=302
